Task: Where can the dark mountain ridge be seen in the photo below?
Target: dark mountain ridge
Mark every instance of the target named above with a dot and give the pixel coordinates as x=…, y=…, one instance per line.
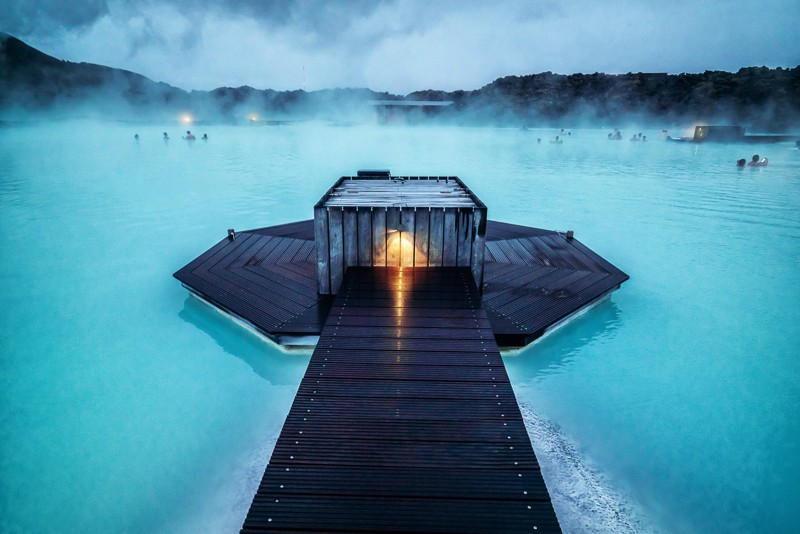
x=757, y=96
x=760, y=98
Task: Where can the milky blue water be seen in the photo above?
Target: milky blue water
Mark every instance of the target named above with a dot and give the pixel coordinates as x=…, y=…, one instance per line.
x=126, y=405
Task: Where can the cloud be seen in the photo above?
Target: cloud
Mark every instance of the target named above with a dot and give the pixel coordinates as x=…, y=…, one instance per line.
x=23, y=17
x=404, y=45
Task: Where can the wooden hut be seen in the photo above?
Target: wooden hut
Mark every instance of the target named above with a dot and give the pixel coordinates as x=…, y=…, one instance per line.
x=375, y=219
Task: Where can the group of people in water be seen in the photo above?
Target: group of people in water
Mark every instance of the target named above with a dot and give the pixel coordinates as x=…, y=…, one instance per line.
x=189, y=136
x=756, y=161
x=616, y=135
x=559, y=139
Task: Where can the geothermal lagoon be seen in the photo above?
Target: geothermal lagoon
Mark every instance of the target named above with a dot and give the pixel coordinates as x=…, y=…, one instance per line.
x=128, y=405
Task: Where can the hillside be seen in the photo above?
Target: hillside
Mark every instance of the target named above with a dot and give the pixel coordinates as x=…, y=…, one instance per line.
x=32, y=82
x=759, y=98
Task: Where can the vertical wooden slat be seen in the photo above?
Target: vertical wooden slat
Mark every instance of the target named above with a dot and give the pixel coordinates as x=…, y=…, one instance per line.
x=436, y=232
x=407, y=239
x=392, y=237
x=421, y=237
x=379, y=237
x=449, y=243
x=350, y=237
x=323, y=252
x=336, y=247
x=464, y=232
x=365, y=237
x=478, y=246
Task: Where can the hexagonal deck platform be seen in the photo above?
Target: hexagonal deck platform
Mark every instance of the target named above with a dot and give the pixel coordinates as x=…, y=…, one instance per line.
x=533, y=280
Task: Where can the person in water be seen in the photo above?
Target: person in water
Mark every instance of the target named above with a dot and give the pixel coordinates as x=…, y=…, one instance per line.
x=205, y=137
x=741, y=162
x=758, y=161
x=165, y=136
x=189, y=136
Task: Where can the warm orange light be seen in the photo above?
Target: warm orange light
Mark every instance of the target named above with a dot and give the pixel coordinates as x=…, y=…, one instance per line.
x=400, y=250
x=252, y=117
x=187, y=118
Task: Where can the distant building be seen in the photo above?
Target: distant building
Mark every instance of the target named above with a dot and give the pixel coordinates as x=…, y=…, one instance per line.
x=405, y=111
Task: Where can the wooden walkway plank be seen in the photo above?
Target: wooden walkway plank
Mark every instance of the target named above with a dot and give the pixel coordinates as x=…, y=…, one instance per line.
x=255, y=254
x=527, y=288
x=231, y=303
x=398, y=426
x=276, y=288
x=484, y=484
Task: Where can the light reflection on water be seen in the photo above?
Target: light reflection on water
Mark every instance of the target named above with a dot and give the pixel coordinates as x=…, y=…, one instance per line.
x=114, y=383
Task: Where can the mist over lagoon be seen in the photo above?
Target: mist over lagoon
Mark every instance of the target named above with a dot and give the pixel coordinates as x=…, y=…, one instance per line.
x=42, y=87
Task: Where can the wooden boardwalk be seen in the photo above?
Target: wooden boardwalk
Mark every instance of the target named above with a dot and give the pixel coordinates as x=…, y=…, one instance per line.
x=533, y=279
x=405, y=420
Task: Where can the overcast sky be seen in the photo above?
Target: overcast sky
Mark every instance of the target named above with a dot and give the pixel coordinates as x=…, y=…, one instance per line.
x=404, y=45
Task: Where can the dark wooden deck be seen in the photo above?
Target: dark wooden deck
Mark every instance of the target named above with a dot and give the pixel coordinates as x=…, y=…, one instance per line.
x=265, y=277
x=533, y=279
x=405, y=420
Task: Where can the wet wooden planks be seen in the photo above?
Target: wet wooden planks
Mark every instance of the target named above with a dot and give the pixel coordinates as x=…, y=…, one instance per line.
x=533, y=279
x=405, y=420
x=269, y=281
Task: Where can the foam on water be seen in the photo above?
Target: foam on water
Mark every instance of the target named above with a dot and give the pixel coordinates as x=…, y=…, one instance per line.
x=583, y=498
x=229, y=501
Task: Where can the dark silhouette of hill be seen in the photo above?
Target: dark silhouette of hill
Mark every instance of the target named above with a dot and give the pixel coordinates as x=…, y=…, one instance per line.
x=32, y=82
x=757, y=97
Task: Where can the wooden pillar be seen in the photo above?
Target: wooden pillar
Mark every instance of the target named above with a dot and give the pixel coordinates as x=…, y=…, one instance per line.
x=323, y=250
